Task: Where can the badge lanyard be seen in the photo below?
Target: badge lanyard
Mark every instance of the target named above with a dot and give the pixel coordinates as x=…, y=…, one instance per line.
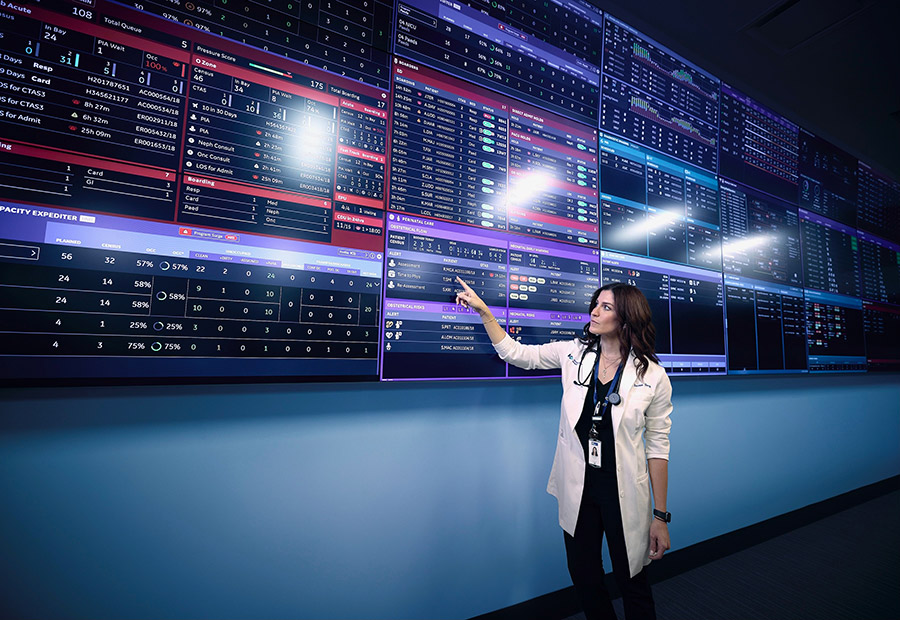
x=601, y=409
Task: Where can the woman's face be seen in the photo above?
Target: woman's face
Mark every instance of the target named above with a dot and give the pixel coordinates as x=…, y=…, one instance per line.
x=604, y=320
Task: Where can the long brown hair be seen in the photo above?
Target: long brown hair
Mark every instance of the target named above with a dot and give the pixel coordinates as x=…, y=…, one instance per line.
x=636, y=330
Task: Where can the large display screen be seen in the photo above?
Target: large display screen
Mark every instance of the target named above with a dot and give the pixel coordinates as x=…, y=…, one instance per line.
x=463, y=40
x=878, y=203
x=178, y=205
x=760, y=236
x=835, y=333
x=765, y=326
x=828, y=184
x=287, y=191
x=687, y=305
x=654, y=97
x=758, y=146
x=657, y=206
x=830, y=255
x=882, y=328
x=879, y=269
x=99, y=295
x=348, y=38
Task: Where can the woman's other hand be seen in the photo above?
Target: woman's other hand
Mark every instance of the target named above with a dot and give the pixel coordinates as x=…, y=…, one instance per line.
x=659, y=538
x=469, y=298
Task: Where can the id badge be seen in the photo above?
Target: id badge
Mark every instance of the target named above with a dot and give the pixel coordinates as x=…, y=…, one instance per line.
x=594, y=452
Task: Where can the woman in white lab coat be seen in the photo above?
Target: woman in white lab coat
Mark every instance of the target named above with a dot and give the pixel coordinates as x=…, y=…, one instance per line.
x=613, y=443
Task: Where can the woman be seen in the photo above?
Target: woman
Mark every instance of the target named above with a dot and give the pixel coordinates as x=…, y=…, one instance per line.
x=616, y=403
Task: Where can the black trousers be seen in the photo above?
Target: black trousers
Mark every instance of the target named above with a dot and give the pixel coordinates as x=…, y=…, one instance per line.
x=584, y=553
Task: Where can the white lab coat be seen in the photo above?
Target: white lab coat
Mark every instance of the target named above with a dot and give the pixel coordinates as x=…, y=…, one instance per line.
x=641, y=426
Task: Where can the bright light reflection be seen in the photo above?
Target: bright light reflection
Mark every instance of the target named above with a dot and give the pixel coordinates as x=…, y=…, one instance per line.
x=314, y=143
x=649, y=224
x=524, y=189
x=747, y=243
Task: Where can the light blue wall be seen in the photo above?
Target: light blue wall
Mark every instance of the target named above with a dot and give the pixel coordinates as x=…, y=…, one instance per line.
x=374, y=501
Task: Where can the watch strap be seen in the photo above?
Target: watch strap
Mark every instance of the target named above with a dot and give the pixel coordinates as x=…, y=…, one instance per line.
x=666, y=517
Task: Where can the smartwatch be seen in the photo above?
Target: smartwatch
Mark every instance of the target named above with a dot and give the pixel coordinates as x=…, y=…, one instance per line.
x=665, y=517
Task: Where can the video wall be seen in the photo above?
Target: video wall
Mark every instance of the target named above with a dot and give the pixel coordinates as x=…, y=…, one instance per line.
x=243, y=190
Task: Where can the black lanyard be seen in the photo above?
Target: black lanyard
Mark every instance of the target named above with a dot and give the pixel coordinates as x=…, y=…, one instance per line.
x=611, y=394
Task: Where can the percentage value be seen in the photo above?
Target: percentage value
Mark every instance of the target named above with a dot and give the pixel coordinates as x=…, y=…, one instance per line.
x=144, y=263
x=179, y=267
x=140, y=304
x=138, y=325
x=136, y=346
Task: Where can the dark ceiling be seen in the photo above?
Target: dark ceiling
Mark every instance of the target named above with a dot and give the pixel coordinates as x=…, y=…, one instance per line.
x=831, y=66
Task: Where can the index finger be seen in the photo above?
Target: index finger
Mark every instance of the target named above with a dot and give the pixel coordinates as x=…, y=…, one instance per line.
x=465, y=286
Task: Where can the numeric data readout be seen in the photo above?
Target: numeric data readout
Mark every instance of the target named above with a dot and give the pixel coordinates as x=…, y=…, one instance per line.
x=102, y=298
x=877, y=203
x=765, y=326
x=760, y=235
x=656, y=206
x=85, y=87
x=758, y=147
x=828, y=184
x=472, y=45
x=449, y=149
x=687, y=306
x=834, y=332
x=553, y=178
x=830, y=255
x=351, y=39
x=70, y=91
x=882, y=329
x=575, y=26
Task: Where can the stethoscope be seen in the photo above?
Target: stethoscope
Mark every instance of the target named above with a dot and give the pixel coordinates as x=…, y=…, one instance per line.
x=578, y=380
x=613, y=397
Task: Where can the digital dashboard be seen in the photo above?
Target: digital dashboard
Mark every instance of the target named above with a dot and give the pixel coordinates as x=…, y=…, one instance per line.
x=276, y=190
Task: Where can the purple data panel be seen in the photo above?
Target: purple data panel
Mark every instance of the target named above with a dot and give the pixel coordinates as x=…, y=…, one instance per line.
x=90, y=298
x=550, y=289
x=537, y=289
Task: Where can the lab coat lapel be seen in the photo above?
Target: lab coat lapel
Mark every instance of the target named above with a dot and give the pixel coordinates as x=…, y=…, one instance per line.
x=573, y=412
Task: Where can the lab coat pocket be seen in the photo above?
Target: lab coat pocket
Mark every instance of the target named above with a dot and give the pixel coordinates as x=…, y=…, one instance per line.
x=638, y=405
